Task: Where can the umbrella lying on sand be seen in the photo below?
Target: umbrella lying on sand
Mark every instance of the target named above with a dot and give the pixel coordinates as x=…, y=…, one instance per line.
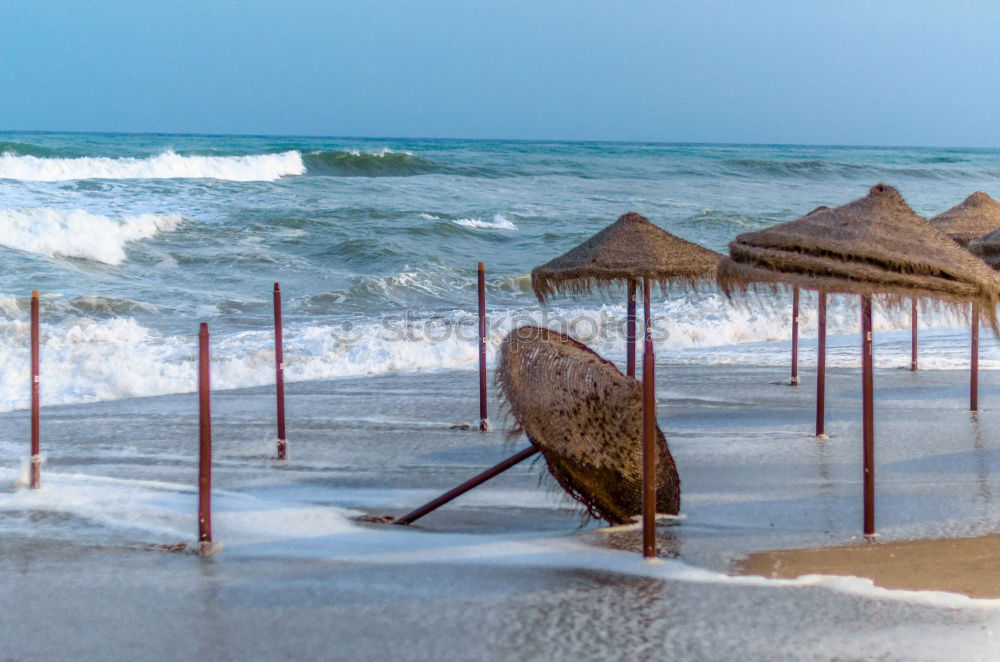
x=874, y=246
x=970, y=220
x=585, y=418
x=632, y=251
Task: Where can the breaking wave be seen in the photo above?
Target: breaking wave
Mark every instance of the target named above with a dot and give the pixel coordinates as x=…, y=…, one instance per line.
x=167, y=165
x=383, y=163
x=78, y=234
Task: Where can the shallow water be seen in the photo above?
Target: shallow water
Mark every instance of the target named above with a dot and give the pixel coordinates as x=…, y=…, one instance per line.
x=506, y=572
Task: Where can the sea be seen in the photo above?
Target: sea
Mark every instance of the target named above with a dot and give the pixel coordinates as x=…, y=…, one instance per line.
x=134, y=239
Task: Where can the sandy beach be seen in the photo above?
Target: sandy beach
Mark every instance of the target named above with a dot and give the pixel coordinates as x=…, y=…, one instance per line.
x=958, y=565
x=506, y=572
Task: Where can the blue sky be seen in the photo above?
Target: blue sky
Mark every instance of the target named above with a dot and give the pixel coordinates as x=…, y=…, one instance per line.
x=834, y=72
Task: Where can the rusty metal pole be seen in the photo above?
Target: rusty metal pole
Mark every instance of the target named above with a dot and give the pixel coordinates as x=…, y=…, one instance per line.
x=279, y=371
x=35, y=479
x=205, y=443
x=868, y=415
x=630, y=331
x=795, y=337
x=645, y=308
x=913, y=335
x=475, y=481
x=821, y=368
x=484, y=423
x=648, y=452
x=974, y=362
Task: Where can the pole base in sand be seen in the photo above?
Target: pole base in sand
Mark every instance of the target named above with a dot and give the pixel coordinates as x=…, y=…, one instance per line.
x=484, y=425
x=822, y=436
x=282, y=449
x=794, y=381
x=208, y=548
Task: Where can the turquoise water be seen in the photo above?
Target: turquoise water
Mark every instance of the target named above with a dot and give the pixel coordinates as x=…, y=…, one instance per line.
x=134, y=239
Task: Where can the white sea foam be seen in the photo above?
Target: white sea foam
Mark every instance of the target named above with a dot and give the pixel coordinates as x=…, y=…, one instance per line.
x=168, y=165
x=86, y=360
x=498, y=223
x=76, y=233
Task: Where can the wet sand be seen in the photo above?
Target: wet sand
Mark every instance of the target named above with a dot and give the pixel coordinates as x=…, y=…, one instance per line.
x=77, y=583
x=970, y=566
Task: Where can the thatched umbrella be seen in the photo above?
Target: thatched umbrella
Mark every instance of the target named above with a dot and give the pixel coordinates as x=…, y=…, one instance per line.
x=586, y=419
x=631, y=250
x=876, y=245
x=970, y=220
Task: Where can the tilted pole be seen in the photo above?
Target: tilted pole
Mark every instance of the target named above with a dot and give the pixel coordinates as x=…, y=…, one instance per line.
x=35, y=478
x=795, y=337
x=913, y=335
x=475, y=481
x=821, y=368
x=279, y=372
x=868, y=416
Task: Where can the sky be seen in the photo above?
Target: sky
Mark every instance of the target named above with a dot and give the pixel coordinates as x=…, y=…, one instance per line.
x=848, y=72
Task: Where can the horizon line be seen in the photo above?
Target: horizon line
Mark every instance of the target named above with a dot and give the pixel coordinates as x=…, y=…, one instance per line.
x=486, y=140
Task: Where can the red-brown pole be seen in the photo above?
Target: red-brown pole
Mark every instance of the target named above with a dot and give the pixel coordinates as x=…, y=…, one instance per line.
x=795, y=336
x=821, y=368
x=868, y=415
x=475, y=481
x=648, y=452
x=35, y=480
x=630, y=331
x=279, y=371
x=205, y=442
x=484, y=423
x=913, y=335
x=974, y=362
x=645, y=308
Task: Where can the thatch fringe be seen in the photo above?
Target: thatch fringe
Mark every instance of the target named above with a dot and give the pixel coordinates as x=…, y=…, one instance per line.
x=586, y=419
x=628, y=250
x=874, y=246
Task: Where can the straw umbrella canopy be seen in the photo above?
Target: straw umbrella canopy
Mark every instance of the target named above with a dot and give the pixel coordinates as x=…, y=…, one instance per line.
x=586, y=419
x=972, y=219
x=874, y=246
x=988, y=249
x=632, y=251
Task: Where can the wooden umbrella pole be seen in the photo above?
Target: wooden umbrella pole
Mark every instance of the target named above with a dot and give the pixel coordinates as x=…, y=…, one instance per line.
x=484, y=422
x=821, y=367
x=475, y=481
x=630, y=331
x=35, y=479
x=913, y=335
x=868, y=416
x=279, y=371
x=204, y=443
x=645, y=308
x=974, y=362
x=795, y=336
x=648, y=452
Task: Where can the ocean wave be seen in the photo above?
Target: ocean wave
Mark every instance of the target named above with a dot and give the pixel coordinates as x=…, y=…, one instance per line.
x=25, y=149
x=86, y=360
x=383, y=163
x=74, y=233
x=167, y=165
x=498, y=223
